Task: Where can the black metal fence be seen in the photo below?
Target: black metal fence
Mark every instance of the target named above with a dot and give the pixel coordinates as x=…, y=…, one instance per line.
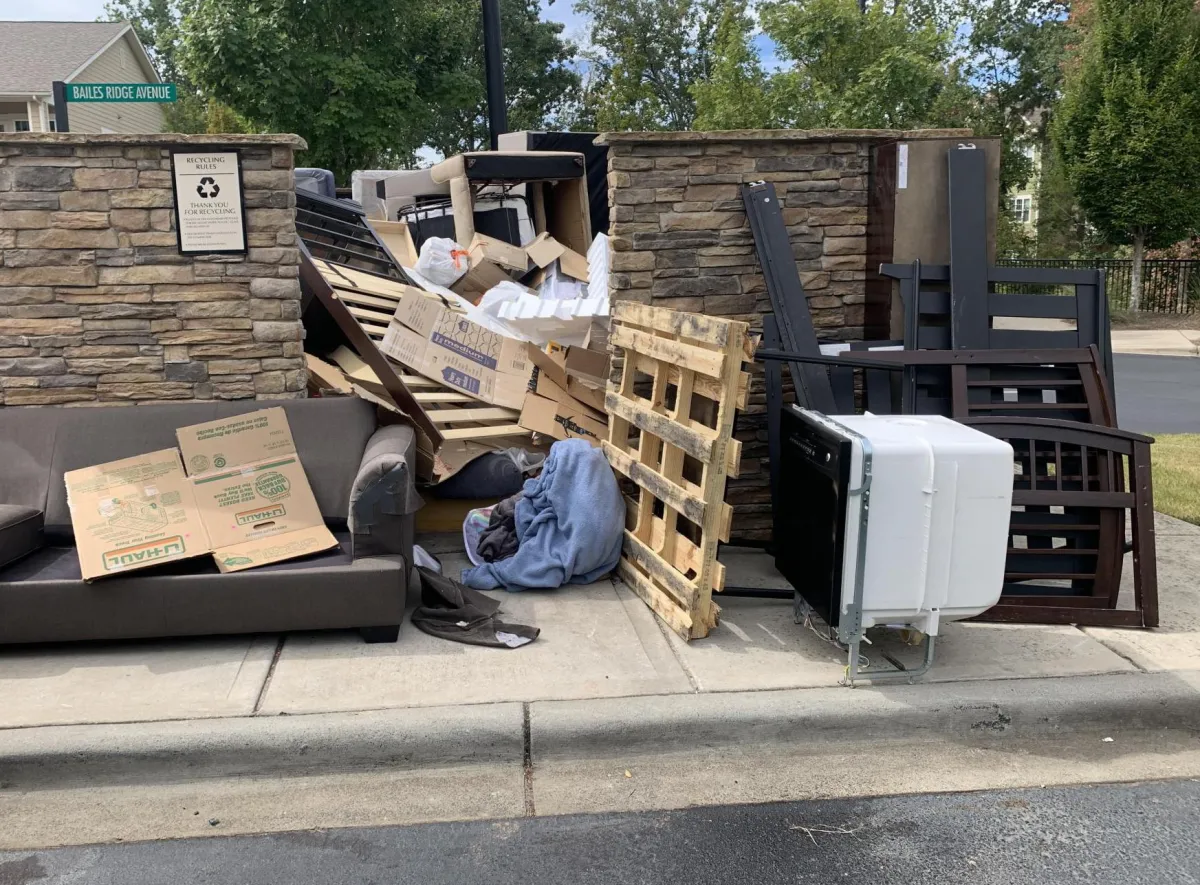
x=1168, y=286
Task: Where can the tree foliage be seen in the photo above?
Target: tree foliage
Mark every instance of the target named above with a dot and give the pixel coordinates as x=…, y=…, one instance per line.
x=1014, y=53
x=735, y=95
x=157, y=24
x=879, y=70
x=358, y=79
x=1128, y=127
x=646, y=57
x=539, y=77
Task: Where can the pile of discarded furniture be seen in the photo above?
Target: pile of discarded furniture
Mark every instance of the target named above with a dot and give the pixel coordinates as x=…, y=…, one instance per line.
x=506, y=351
x=1020, y=354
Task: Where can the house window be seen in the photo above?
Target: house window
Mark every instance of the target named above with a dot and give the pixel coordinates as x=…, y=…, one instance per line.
x=53, y=126
x=21, y=126
x=1022, y=209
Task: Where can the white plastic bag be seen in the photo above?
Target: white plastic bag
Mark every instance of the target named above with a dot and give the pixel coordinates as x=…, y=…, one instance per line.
x=442, y=261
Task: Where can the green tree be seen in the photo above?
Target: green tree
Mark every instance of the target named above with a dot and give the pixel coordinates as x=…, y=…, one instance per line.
x=877, y=70
x=539, y=78
x=358, y=79
x=646, y=56
x=1128, y=127
x=157, y=24
x=735, y=94
x=1013, y=54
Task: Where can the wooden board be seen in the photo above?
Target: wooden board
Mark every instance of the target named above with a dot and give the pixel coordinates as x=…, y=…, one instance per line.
x=370, y=302
x=674, y=525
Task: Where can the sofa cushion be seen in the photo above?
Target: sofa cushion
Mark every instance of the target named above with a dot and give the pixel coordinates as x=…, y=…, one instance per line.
x=43, y=599
x=20, y=532
x=26, y=446
x=330, y=435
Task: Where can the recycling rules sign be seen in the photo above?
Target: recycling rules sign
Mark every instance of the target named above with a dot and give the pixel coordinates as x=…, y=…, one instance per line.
x=210, y=216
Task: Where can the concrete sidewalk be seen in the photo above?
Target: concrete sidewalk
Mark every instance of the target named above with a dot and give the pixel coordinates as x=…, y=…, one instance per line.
x=597, y=642
x=1162, y=342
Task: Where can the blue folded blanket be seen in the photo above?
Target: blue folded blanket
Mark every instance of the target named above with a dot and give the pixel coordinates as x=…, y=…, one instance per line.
x=570, y=523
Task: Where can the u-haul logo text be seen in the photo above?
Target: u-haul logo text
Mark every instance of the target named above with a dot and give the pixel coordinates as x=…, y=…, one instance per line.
x=262, y=514
x=115, y=560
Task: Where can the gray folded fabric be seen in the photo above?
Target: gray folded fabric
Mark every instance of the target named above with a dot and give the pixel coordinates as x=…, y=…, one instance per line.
x=450, y=610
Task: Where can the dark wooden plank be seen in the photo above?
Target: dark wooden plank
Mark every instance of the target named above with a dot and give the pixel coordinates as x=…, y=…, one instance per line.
x=1047, y=276
x=1025, y=612
x=1032, y=339
x=1041, y=306
x=968, y=248
x=786, y=292
x=1051, y=498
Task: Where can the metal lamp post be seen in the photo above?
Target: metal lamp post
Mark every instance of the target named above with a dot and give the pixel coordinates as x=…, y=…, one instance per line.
x=493, y=66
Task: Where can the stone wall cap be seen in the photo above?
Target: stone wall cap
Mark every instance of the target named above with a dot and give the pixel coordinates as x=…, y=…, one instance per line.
x=735, y=135
x=158, y=139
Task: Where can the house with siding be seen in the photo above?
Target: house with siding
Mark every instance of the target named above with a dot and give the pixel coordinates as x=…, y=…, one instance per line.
x=35, y=54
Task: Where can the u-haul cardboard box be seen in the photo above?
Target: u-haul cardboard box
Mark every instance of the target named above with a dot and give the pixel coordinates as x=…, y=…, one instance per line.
x=438, y=343
x=251, y=491
x=134, y=513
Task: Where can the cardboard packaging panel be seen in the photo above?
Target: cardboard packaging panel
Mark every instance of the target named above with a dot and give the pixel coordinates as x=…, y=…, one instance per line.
x=485, y=248
x=480, y=277
x=591, y=396
x=252, y=500
x=236, y=440
x=543, y=385
x=591, y=364
x=133, y=513
x=561, y=421
x=544, y=250
x=443, y=345
x=250, y=487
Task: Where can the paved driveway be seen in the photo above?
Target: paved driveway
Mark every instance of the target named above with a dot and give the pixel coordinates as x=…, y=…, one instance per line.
x=1158, y=394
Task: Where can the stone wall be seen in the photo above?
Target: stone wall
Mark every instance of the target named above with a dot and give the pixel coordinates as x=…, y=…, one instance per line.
x=681, y=241
x=97, y=305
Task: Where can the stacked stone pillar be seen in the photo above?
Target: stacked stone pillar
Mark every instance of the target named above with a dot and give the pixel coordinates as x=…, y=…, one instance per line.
x=98, y=306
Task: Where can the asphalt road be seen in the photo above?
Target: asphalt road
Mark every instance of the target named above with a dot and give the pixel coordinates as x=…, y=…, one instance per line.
x=1157, y=394
x=1104, y=835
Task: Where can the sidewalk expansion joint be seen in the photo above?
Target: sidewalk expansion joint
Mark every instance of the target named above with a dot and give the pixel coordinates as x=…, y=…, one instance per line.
x=527, y=743
x=262, y=692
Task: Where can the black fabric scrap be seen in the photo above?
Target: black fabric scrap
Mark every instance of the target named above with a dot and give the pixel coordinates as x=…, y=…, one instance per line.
x=450, y=610
x=499, y=540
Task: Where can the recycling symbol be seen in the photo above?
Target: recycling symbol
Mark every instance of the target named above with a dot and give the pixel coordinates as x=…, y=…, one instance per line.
x=207, y=188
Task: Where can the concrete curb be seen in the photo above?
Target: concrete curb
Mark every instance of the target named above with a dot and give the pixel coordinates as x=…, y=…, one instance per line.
x=328, y=743
x=1017, y=708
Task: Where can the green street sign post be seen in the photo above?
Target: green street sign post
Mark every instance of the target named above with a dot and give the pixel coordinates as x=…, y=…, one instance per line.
x=106, y=92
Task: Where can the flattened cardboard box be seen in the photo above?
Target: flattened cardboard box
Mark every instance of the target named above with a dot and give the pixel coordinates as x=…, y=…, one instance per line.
x=133, y=513
x=251, y=491
x=561, y=421
x=544, y=386
x=443, y=345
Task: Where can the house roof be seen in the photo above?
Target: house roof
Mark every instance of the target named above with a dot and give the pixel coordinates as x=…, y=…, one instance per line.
x=38, y=53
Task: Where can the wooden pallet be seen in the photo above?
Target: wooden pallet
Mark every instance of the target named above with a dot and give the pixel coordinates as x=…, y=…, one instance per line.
x=676, y=446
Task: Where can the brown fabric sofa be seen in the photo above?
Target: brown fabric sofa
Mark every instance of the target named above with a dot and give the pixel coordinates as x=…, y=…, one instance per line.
x=361, y=584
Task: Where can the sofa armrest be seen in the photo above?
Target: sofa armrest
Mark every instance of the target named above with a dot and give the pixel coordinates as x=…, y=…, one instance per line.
x=20, y=532
x=384, y=496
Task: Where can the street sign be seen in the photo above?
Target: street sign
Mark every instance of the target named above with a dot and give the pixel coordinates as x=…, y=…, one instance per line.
x=158, y=92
